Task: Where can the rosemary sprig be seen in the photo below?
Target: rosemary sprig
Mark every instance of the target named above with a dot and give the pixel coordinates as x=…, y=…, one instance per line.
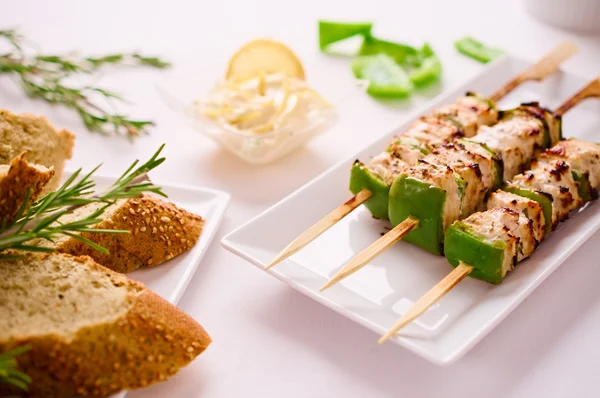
x=41, y=219
x=43, y=76
x=9, y=368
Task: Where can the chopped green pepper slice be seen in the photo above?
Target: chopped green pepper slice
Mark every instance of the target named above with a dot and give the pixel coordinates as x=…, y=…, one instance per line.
x=476, y=50
x=462, y=245
x=402, y=53
x=424, y=202
x=386, y=78
x=360, y=178
x=429, y=69
x=429, y=72
x=331, y=32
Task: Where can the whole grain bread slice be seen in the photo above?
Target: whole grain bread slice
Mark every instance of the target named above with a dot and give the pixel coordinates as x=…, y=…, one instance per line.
x=158, y=231
x=92, y=331
x=35, y=135
x=19, y=181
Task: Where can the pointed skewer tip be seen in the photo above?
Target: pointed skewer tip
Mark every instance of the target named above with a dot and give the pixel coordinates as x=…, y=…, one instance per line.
x=383, y=339
x=321, y=226
x=328, y=284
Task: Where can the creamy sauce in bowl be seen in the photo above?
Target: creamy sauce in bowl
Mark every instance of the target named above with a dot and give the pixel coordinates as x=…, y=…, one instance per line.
x=261, y=118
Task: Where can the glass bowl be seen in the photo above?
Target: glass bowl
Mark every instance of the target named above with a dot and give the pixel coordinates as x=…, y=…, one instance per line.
x=182, y=92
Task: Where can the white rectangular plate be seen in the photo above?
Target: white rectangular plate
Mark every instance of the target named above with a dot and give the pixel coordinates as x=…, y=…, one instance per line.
x=380, y=293
x=170, y=279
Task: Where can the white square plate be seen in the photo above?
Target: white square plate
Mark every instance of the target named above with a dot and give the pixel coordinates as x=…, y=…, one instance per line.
x=380, y=293
x=170, y=279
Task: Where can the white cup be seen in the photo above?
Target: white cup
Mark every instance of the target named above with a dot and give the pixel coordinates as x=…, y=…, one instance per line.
x=581, y=15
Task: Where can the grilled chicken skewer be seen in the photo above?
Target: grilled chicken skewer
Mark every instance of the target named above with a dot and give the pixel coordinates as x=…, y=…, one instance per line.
x=487, y=245
x=371, y=184
x=454, y=180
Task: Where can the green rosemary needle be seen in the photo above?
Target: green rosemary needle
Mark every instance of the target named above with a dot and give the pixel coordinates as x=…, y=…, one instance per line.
x=9, y=371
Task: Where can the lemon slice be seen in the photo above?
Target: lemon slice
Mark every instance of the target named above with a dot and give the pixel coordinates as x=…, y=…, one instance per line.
x=262, y=57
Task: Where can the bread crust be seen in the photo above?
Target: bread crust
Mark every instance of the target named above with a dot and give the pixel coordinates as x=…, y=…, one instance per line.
x=43, y=143
x=22, y=178
x=159, y=231
x=148, y=344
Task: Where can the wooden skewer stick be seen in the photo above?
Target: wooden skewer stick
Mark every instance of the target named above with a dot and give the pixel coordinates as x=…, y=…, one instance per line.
x=540, y=70
x=323, y=225
x=591, y=90
x=431, y=297
x=460, y=272
x=365, y=256
x=543, y=68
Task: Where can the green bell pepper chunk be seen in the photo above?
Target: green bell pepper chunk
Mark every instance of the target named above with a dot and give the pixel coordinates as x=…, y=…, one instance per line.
x=477, y=50
x=331, y=32
x=429, y=69
x=429, y=72
x=360, y=178
x=386, y=78
x=462, y=245
x=412, y=197
x=402, y=53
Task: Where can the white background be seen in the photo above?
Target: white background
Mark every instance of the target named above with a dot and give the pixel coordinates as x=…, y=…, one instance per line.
x=269, y=340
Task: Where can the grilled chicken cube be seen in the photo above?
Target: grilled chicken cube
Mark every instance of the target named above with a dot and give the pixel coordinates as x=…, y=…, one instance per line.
x=581, y=155
x=492, y=176
x=516, y=140
x=524, y=206
x=433, y=131
x=407, y=151
x=553, y=122
x=475, y=169
x=387, y=166
x=471, y=111
x=508, y=226
x=555, y=178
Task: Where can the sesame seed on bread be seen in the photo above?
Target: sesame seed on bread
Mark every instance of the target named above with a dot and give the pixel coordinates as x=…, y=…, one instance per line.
x=92, y=331
x=158, y=231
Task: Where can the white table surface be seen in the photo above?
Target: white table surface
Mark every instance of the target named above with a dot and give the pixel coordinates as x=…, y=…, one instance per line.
x=269, y=340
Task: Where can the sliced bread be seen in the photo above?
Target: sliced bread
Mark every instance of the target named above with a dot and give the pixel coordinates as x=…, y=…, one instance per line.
x=35, y=135
x=159, y=231
x=16, y=181
x=93, y=332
